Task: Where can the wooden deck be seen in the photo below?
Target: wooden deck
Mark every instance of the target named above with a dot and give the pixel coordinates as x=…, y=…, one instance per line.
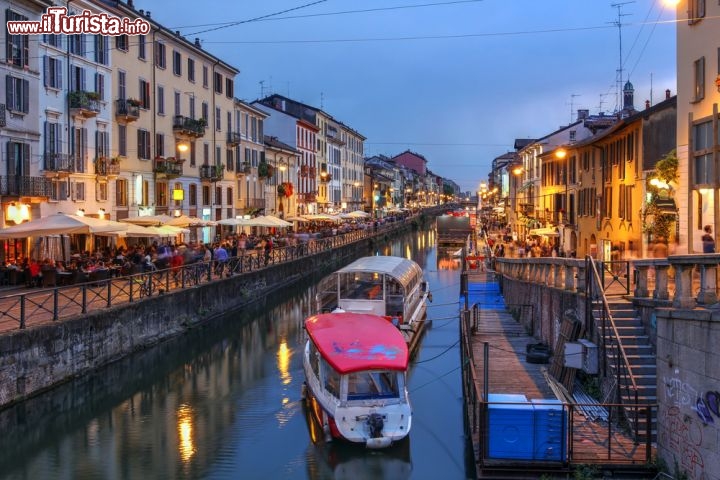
x=508, y=372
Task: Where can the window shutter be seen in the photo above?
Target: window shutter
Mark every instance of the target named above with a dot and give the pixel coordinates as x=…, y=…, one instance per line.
x=83, y=133
x=10, y=158
x=9, y=93
x=58, y=73
x=25, y=159
x=46, y=70
x=47, y=139
x=26, y=96
x=9, y=46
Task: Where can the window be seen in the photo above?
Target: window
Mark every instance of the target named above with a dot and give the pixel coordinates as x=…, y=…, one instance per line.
x=177, y=103
x=78, y=148
x=18, y=159
x=192, y=153
x=218, y=156
x=159, y=145
x=53, y=141
x=141, y=46
x=122, y=88
x=77, y=190
x=102, y=144
x=177, y=63
x=18, y=46
x=702, y=134
x=101, y=192
x=205, y=76
x=77, y=79
x=218, y=82
x=54, y=40
x=161, y=194
x=230, y=160
x=206, y=153
x=218, y=119
x=77, y=44
x=121, y=43
x=206, y=195
x=218, y=195
x=101, y=49
x=229, y=87
x=696, y=11
x=607, y=203
x=143, y=144
x=100, y=85
x=144, y=88
x=699, y=79
x=192, y=106
x=59, y=190
x=229, y=196
x=121, y=192
x=191, y=70
x=145, y=193
x=52, y=72
x=122, y=140
x=17, y=94
x=573, y=135
x=192, y=193
x=160, y=60
x=205, y=110
x=253, y=129
x=161, y=100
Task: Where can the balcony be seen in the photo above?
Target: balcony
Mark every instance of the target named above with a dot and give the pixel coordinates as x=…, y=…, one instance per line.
x=242, y=169
x=253, y=203
x=58, y=164
x=84, y=104
x=233, y=139
x=211, y=173
x=186, y=126
x=126, y=110
x=22, y=186
x=168, y=168
x=107, y=167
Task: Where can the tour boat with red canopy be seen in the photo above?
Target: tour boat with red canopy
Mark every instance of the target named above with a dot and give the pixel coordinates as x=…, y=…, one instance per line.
x=355, y=378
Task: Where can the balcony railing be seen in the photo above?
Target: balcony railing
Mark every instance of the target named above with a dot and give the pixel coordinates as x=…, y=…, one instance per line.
x=242, y=168
x=84, y=103
x=107, y=167
x=188, y=126
x=168, y=167
x=59, y=163
x=22, y=186
x=127, y=111
x=233, y=138
x=258, y=203
x=212, y=173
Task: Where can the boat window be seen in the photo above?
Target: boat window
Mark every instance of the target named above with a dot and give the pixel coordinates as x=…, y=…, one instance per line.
x=332, y=381
x=365, y=385
x=314, y=360
x=362, y=286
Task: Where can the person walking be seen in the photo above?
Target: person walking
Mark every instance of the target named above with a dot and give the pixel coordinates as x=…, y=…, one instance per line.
x=708, y=241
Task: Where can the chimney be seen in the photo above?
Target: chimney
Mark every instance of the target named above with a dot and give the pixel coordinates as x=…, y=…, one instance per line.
x=130, y=4
x=647, y=104
x=197, y=42
x=667, y=94
x=142, y=12
x=177, y=33
x=583, y=114
x=147, y=14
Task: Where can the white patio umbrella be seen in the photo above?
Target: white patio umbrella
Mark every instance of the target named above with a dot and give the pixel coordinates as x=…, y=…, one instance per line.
x=358, y=214
x=186, y=221
x=266, y=221
x=61, y=223
x=278, y=221
x=234, y=222
x=148, y=220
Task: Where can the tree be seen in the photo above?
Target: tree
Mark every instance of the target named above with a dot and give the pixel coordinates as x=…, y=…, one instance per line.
x=656, y=220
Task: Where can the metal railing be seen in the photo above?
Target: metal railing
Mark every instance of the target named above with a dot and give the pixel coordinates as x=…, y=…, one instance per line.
x=612, y=346
x=62, y=302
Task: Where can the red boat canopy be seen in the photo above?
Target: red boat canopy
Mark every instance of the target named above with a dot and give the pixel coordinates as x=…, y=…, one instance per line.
x=353, y=342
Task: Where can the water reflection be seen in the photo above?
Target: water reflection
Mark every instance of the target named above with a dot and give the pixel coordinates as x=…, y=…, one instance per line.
x=225, y=398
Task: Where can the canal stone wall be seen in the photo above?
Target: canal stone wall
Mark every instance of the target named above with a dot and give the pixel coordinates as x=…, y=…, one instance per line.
x=36, y=359
x=540, y=308
x=688, y=372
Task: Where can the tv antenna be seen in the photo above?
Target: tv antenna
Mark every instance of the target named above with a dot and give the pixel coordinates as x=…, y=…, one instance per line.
x=262, y=88
x=572, y=104
x=619, y=74
x=602, y=96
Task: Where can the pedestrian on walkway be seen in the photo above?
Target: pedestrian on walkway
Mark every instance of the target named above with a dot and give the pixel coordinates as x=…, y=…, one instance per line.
x=708, y=241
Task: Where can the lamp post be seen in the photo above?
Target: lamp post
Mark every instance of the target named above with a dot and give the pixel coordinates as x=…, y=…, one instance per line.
x=282, y=168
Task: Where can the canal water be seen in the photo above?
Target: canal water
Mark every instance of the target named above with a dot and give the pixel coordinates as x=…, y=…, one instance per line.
x=223, y=402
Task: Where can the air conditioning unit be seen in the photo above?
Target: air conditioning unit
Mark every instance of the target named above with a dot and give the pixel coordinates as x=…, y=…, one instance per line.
x=582, y=355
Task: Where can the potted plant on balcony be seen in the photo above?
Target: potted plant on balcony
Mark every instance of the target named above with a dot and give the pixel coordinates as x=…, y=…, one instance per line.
x=134, y=102
x=281, y=190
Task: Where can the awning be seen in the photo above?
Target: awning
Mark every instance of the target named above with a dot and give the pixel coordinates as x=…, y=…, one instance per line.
x=548, y=232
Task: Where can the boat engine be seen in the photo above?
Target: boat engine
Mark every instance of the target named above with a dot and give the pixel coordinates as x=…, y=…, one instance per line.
x=375, y=423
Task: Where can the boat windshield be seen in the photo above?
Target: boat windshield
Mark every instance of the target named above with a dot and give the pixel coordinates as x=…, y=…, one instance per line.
x=376, y=384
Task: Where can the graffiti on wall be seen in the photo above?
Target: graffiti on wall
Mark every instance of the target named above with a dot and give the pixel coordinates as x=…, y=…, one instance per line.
x=682, y=436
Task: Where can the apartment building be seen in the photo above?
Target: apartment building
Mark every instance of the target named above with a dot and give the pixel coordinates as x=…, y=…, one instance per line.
x=251, y=185
x=284, y=161
x=173, y=136
x=698, y=144
x=351, y=178
x=24, y=188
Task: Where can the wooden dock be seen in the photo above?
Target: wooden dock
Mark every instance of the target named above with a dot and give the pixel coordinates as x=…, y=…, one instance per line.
x=589, y=442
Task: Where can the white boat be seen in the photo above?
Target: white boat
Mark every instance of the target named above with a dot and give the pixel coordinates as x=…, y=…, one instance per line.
x=355, y=378
x=388, y=286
